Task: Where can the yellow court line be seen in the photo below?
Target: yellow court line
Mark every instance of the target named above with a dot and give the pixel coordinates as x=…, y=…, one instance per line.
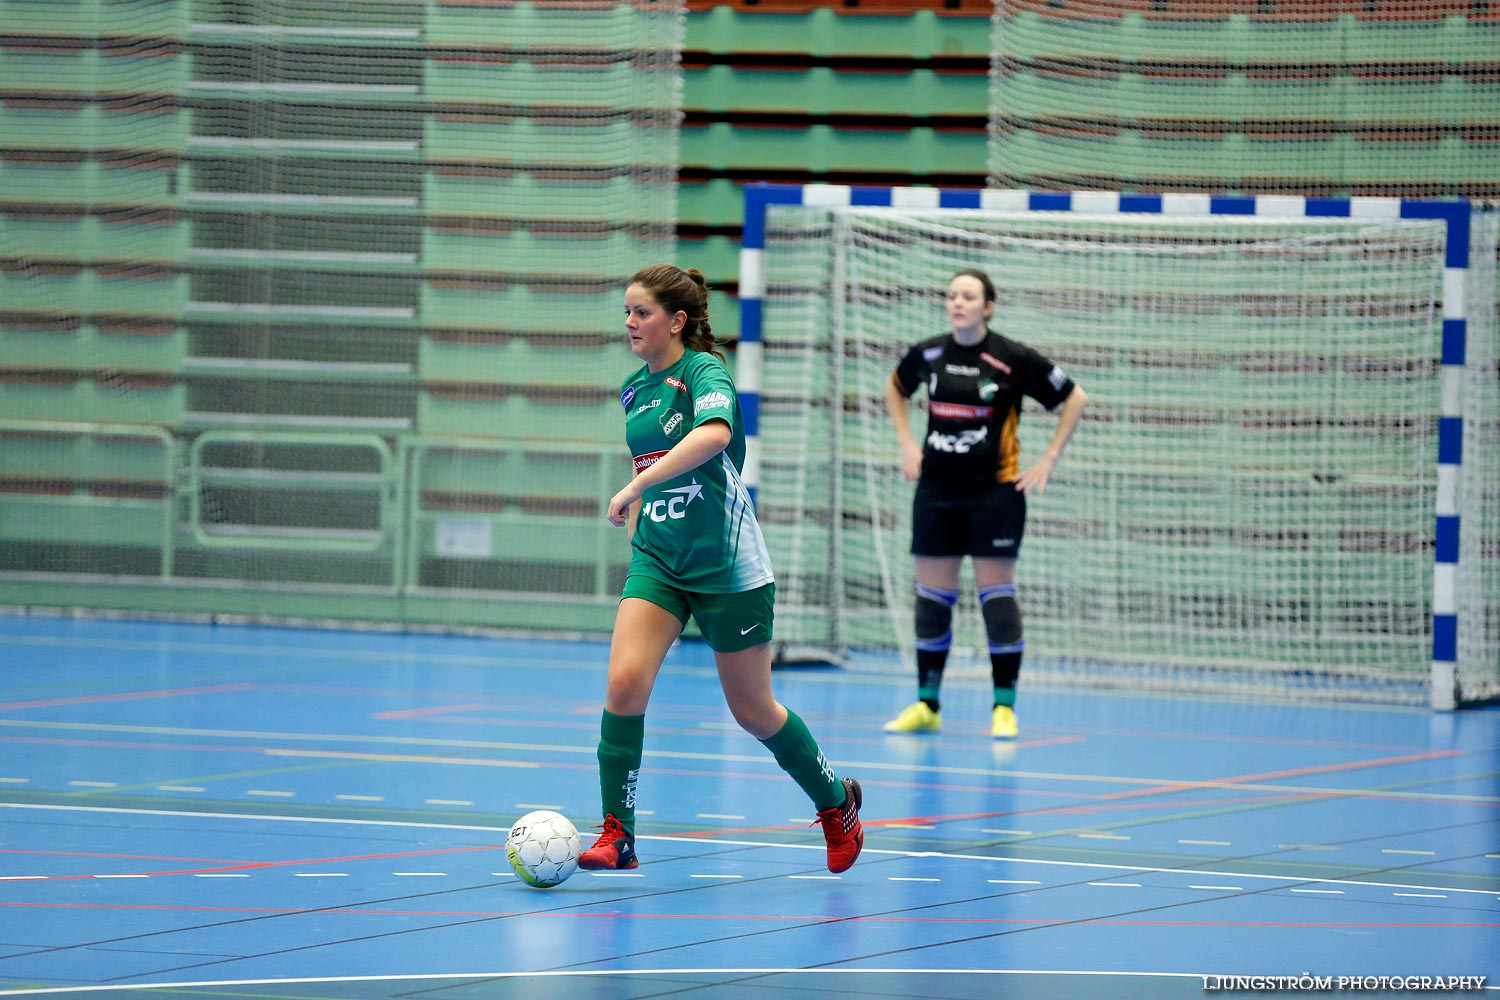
x=400, y=758
x=904, y=768
x=386, y=656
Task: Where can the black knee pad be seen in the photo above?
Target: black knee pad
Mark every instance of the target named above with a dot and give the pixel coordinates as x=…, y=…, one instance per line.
x=934, y=617
x=1002, y=618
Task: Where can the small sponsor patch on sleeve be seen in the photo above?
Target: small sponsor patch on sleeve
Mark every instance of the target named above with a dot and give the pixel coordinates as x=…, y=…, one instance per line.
x=710, y=401
x=627, y=397
x=1057, y=377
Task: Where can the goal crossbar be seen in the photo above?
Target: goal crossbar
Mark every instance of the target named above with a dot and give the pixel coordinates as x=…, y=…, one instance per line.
x=1454, y=216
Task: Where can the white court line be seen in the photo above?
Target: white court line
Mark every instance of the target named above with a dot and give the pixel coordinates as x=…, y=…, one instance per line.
x=500, y=832
x=565, y=974
x=850, y=765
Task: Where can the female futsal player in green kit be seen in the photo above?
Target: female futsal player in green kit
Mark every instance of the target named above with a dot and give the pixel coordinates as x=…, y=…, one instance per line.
x=696, y=550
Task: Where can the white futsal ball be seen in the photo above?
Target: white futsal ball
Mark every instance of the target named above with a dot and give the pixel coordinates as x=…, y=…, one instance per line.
x=543, y=848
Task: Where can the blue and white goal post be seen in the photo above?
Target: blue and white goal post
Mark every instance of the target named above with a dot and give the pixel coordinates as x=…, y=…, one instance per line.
x=1267, y=493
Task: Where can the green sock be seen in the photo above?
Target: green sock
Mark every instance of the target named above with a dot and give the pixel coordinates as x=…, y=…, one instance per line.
x=798, y=754
x=930, y=696
x=1005, y=696
x=621, y=739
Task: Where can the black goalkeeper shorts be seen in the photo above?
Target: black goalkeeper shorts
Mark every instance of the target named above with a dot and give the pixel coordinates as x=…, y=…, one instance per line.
x=985, y=521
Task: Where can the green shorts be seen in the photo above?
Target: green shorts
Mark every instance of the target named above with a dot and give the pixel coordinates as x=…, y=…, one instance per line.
x=729, y=622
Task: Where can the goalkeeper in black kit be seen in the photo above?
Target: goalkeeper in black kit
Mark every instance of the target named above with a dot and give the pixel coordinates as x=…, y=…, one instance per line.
x=971, y=491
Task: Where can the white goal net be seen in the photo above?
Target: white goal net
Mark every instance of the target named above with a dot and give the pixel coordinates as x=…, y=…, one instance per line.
x=1249, y=503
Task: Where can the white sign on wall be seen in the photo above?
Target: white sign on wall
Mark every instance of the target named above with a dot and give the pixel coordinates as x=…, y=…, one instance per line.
x=463, y=539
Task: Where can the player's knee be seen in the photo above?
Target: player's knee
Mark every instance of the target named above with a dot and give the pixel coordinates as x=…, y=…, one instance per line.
x=755, y=710
x=1002, y=618
x=934, y=617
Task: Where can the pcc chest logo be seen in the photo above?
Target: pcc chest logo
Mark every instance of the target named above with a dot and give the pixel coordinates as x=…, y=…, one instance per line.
x=673, y=506
x=958, y=444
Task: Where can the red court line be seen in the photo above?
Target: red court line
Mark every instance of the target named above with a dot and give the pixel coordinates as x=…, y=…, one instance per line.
x=416, y=713
x=1182, y=786
x=1167, y=735
x=1265, y=798
x=91, y=699
x=1349, y=765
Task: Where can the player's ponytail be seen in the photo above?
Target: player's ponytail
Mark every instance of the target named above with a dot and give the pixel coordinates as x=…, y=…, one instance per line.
x=686, y=291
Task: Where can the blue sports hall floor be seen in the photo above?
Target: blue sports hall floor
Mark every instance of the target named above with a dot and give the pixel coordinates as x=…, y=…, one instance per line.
x=248, y=812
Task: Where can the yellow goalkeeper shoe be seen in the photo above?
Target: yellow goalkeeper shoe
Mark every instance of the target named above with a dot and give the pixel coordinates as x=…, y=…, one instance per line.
x=916, y=718
x=1003, y=723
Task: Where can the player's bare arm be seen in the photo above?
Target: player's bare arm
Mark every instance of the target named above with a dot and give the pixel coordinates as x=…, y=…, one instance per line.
x=897, y=405
x=1035, y=478
x=698, y=446
x=632, y=511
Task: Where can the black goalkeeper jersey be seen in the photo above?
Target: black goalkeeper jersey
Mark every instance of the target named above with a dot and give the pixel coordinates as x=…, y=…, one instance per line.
x=974, y=404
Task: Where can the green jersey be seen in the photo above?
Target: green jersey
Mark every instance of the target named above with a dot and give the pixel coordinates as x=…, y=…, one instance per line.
x=697, y=531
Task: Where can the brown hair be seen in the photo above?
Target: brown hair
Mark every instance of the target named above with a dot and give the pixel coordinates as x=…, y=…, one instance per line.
x=984, y=279
x=676, y=290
